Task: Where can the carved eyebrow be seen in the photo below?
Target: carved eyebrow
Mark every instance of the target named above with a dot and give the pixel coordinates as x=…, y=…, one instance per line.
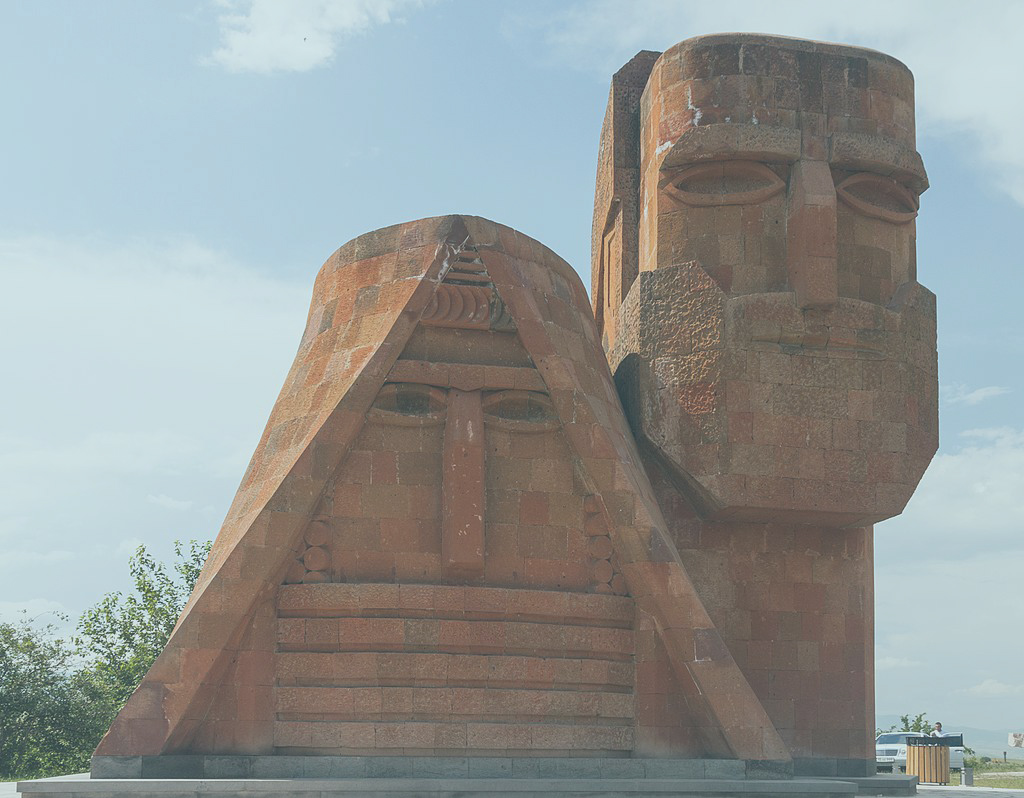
x=727, y=141
x=854, y=151
x=466, y=377
x=862, y=152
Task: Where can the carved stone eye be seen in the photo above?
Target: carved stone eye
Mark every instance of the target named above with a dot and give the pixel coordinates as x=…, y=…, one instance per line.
x=409, y=404
x=724, y=183
x=520, y=411
x=878, y=197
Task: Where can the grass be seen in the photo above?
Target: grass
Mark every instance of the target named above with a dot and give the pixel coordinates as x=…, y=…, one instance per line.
x=995, y=780
x=994, y=774
x=996, y=766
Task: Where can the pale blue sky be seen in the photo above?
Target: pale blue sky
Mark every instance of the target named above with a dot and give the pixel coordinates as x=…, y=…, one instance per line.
x=174, y=174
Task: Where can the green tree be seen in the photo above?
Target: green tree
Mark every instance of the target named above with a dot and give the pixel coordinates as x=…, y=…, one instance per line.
x=52, y=713
x=58, y=697
x=916, y=723
x=122, y=635
x=910, y=723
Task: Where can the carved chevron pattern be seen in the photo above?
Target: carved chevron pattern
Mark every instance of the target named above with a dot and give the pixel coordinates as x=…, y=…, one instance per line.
x=465, y=306
x=469, y=307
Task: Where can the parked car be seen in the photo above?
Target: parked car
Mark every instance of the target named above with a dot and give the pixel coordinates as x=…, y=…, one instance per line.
x=891, y=752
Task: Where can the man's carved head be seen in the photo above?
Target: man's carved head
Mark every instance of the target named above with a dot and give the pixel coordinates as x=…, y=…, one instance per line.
x=774, y=347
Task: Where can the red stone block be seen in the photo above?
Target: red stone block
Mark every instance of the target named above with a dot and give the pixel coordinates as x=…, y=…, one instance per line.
x=808, y=598
x=291, y=631
x=533, y=508
x=499, y=736
x=383, y=468
x=397, y=702
x=399, y=535
x=784, y=656
x=764, y=625
x=358, y=468
x=477, y=637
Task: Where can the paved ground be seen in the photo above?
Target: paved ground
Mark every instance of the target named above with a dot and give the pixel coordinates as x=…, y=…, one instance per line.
x=931, y=791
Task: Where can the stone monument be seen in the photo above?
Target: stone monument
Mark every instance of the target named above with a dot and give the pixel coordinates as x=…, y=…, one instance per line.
x=464, y=548
x=755, y=285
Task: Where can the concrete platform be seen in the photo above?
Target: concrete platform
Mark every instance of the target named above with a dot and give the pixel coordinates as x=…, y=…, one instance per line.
x=208, y=766
x=83, y=787
x=327, y=776
x=882, y=784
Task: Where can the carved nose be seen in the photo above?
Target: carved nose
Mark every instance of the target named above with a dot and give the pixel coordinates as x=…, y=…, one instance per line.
x=811, y=235
x=463, y=489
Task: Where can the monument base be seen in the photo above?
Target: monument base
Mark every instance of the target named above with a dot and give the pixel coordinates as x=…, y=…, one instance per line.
x=329, y=776
x=82, y=787
x=205, y=766
x=213, y=766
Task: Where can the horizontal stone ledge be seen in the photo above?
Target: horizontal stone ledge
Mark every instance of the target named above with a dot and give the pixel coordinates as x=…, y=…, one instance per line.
x=455, y=703
x=552, y=652
x=190, y=788
x=454, y=637
x=620, y=765
x=467, y=377
x=469, y=684
x=369, y=600
x=453, y=615
x=498, y=671
x=342, y=737
x=623, y=721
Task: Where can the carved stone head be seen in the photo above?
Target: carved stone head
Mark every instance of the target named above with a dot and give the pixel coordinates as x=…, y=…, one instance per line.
x=758, y=292
x=446, y=497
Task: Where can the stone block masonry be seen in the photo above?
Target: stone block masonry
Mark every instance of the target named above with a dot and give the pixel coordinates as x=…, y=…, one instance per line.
x=491, y=531
x=774, y=351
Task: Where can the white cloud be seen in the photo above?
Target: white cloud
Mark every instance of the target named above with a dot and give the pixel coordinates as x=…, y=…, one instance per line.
x=993, y=688
x=23, y=560
x=960, y=394
x=126, y=355
x=162, y=500
x=965, y=63
x=112, y=451
x=298, y=35
x=133, y=369
x=946, y=583
x=970, y=499
x=949, y=612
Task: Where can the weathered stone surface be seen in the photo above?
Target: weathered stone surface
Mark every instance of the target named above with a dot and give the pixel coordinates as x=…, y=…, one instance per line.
x=775, y=353
x=445, y=543
x=800, y=303
x=463, y=550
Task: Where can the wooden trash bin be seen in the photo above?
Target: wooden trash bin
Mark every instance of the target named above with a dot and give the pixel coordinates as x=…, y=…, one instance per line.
x=928, y=759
